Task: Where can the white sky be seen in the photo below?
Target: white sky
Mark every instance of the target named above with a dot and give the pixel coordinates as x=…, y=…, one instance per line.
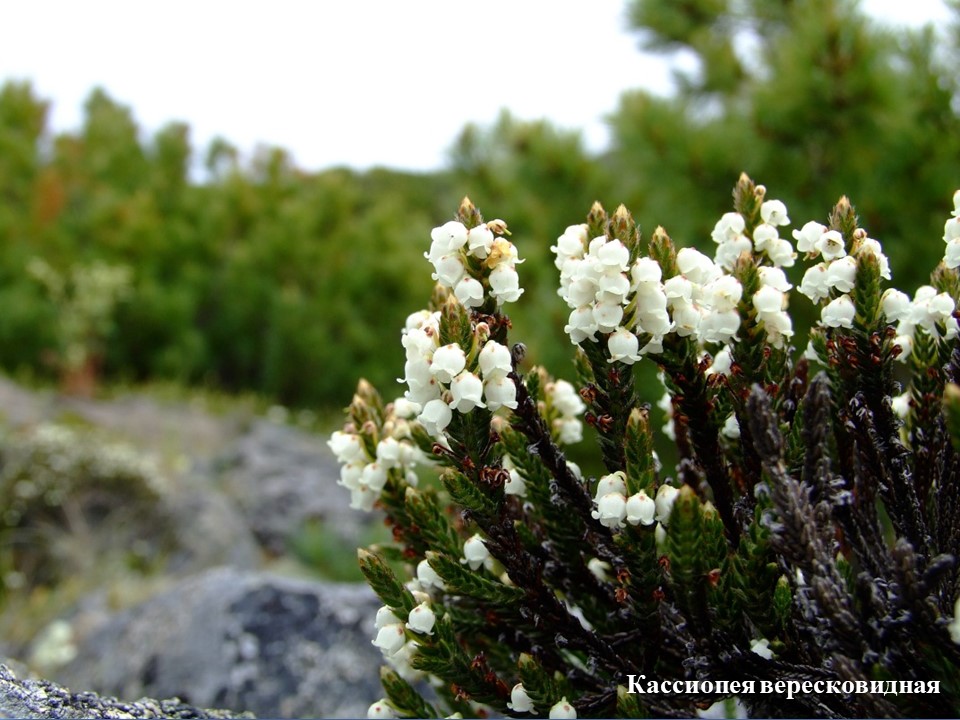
x=355, y=82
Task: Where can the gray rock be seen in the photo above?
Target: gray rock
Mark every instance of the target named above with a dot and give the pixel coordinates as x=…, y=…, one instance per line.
x=44, y=699
x=282, y=478
x=271, y=645
x=211, y=532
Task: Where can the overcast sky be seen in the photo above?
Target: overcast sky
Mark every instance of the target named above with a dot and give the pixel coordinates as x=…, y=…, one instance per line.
x=356, y=82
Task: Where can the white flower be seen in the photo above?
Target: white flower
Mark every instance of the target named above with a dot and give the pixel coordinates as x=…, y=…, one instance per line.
x=469, y=291
x=895, y=305
x=467, y=392
x=447, y=239
x=564, y=397
x=607, y=315
x=422, y=619
x=722, y=363
x=449, y=270
x=385, y=616
x=814, y=284
x=645, y=270
x=951, y=229
x=764, y=236
x=873, y=246
x=719, y=327
x=612, y=483
x=562, y=710
x=641, y=509
x=347, y=447
x=723, y=293
x=390, y=639
x=729, y=252
x=448, y=362
x=838, y=313
x=500, y=391
x=479, y=241
x=611, y=510
x=841, y=274
x=362, y=498
x=774, y=212
x=666, y=496
x=695, y=266
x=515, y=485
x=781, y=253
x=581, y=325
x=380, y=709
x=761, y=647
x=613, y=254
x=951, y=257
x=428, y=577
x=475, y=553
x=905, y=342
x=505, y=284
x=569, y=430
x=571, y=244
x=768, y=300
x=731, y=427
x=494, y=360
x=519, y=700
x=774, y=277
x=830, y=245
x=623, y=346
x=901, y=405
x=374, y=476
x=808, y=236
x=435, y=416
x=729, y=227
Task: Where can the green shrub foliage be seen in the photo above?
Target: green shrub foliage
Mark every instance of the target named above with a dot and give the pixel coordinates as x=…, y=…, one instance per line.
x=808, y=532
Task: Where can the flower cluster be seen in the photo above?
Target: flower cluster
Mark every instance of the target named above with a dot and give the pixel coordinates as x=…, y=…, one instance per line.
x=730, y=235
x=367, y=454
x=397, y=640
x=928, y=310
x=834, y=277
x=475, y=263
x=613, y=507
x=441, y=379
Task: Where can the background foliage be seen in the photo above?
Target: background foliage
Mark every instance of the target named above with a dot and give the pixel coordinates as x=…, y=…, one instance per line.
x=268, y=278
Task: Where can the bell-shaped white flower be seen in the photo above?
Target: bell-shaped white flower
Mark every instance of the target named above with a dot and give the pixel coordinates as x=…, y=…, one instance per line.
x=385, y=616
x=390, y=639
x=613, y=483
x=380, y=709
x=641, y=509
x=830, y=245
x=562, y=710
x=838, y=312
x=467, y=392
x=808, y=236
x=841, y=274
x=695, y=266
x=729, y=227
x=447, y=239
x=611, y=510
x=515, y=485
x=764, y=236
x=469, y=291
x=581, y=325
x=761, y=647
x=428, y=577
x=774, y=212
x=666, y=497
x=623, y=346
x=449, y=269
x=435, y=416
x=479, y=241
x=348, y=447
x=494, y=359
x=500, y=391
x=448, y=362
x=421, y=619
x=519, y=700
x=814, y=283
x=475, y=553
x=729, y=252
x=895, y=305
x=564, y=397
x=768, y=300
x=505, y=284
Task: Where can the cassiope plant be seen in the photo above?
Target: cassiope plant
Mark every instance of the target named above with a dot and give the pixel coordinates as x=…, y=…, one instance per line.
x=810, y=531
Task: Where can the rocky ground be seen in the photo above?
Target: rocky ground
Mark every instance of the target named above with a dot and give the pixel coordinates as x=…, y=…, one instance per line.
x=203, y=595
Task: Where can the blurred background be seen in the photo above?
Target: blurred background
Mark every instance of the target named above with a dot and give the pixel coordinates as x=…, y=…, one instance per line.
x=239, y=199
